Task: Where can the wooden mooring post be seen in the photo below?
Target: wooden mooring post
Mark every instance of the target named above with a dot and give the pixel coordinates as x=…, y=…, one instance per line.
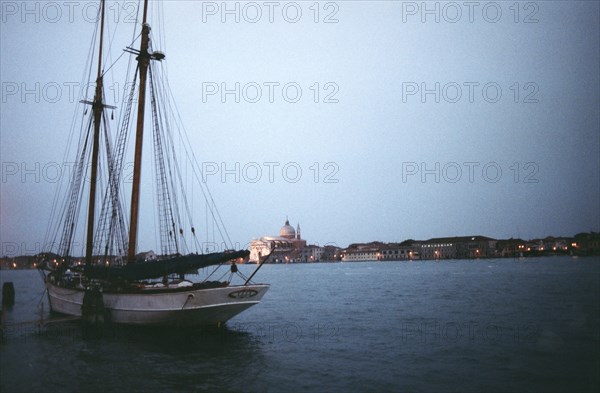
x=94, y=316
x=8, y=294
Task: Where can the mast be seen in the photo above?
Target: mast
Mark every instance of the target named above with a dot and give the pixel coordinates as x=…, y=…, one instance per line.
x=98, y=108
x=143, y=60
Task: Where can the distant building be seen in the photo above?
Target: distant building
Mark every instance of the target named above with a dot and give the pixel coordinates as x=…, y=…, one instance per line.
x=461, y=247
x=398, y=252
x=586, y=243
x=378, y=251
x=286, y=247
x=311, y=253
x=511, y=247
x=557, y=245
x=331, y=253
x=441, y=248
x=360, y=254
x=535, y=245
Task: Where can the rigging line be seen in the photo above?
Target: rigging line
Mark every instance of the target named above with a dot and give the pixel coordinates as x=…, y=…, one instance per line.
x=92, y=53
x=69, y=224
x=53, y=222
x=162, y=42
x=68, y=211
x=104, y=235
x=69, y=202
x=129, y=64
x=170, y=166
x=215, y=214
x=214, y=270
x=185, y=211
x=122, y=145
x=121, y=55
x=78, y=197
x=73, y=208
x=220, y=224
x=157, y=225
x=114, y=192
x=137, y=15
x=177, y=166
x=242, y=275
x=59, y=221
x=167, y=220
x=163, y=226
x=59, y=198
x=224, y=274
x=110, y=44
x=196, y=168
x=115, y=161
x=206, y=215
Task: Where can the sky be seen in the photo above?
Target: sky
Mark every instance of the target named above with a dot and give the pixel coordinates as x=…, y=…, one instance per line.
x=360, y=120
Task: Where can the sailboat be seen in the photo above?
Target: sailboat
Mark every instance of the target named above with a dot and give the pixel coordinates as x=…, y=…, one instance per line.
x=113, y=279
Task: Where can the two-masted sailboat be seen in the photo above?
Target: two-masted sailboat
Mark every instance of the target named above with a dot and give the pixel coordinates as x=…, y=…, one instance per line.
x=131, y=288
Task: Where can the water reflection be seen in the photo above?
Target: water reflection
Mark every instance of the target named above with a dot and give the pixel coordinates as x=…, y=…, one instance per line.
x=125, y=358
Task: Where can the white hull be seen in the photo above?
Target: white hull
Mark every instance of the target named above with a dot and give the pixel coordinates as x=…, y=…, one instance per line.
x=198, y=307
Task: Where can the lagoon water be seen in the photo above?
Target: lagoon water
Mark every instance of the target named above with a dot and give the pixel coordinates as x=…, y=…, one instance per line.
x=492, y=325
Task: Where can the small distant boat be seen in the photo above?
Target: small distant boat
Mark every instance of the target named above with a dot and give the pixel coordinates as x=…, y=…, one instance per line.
x=125, y=289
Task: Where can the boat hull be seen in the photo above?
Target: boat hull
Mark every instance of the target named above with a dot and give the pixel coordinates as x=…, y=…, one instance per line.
x=195, y=307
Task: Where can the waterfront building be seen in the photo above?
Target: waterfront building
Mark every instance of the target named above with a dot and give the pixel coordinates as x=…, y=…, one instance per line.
x=360, y=254
x=461, y=247
x=287, y=246
x=442, y=248
x=331, y=253
x=557, y=244
x=586, y=243
x=398, y=252
x=511, y=247
x=311, y=253
x=378, y=251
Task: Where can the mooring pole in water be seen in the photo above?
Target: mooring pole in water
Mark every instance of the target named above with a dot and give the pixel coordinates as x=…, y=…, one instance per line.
x=2, y=324
x=92, y=309
x=8, y=294
x=41, y=323
x=93, y=313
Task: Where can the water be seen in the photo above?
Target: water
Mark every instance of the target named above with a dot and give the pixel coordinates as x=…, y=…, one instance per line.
x=470, y=326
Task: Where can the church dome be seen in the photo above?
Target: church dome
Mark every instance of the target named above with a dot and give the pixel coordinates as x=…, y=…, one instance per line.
x=287, y=231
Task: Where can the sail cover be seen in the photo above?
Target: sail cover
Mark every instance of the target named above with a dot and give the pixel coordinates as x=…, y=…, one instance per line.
x=153, y=269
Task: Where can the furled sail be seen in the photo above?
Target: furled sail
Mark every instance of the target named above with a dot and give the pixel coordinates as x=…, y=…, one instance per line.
x=158, y=268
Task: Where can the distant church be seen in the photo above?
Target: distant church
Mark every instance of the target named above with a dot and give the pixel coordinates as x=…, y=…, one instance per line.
x=289, y=241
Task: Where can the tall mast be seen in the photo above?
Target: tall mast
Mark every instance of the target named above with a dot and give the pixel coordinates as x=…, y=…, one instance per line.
x=143, y=60
x=98, y=108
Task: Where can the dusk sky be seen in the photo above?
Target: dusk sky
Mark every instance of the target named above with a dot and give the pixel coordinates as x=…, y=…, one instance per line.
x=368, y=120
